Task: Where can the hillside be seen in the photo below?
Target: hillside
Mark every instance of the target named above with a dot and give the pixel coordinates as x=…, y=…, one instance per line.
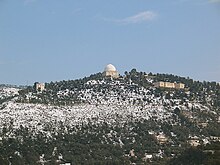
x=98, y=120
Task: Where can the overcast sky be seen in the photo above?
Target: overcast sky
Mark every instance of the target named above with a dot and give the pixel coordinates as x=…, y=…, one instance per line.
x=52, y=40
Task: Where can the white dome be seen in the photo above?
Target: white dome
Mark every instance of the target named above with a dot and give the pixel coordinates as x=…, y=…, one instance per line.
x=110, y=68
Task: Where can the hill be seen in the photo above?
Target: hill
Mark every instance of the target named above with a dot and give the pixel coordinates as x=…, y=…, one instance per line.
x=99, y=120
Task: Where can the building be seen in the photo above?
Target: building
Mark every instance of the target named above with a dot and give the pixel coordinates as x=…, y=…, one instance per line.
x=203, y=124
x=132, y=154
x=162, y=138
x=162, y=84
x=39, y=87
x=179, y=85
x=194, y=141
x=110, y=71
x=215, y=138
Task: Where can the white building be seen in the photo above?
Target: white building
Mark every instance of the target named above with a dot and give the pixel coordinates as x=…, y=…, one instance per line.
x=194, y=141
x=110, y=71
x=162, y=84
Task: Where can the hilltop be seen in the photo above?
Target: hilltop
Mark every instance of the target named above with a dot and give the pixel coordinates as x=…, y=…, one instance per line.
x=109, y=120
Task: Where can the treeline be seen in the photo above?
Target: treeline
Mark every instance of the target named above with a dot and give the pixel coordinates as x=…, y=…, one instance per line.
x=207, y=93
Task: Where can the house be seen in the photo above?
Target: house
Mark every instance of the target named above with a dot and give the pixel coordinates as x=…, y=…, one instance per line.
x=147, y=157
x=203, y=124
x=162, y=138
x=131, y=153
x=215, y=138
x=194, y=141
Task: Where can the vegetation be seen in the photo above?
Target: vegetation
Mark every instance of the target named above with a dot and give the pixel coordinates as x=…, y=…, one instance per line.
x=207, y=93
x=113, y=144
x=206, y=155
x=89, y=145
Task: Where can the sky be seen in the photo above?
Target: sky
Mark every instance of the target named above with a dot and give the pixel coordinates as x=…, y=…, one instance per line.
x=53, y=40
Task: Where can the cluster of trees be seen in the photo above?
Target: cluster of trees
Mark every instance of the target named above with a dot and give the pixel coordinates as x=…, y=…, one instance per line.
x=97, y=144
x=207, y=155
x=205, y=92
x=49, y=96
x=2, y=100
x=136, y=77
x=86, y=144
x=104, y=144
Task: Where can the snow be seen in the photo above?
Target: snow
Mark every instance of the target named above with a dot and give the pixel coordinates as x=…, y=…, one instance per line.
x=36, y=116
x=115, y=103
x=6, y=92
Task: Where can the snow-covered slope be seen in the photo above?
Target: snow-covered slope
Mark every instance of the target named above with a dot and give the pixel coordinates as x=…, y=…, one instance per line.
x=36, y=116
x=6, y=92
x=111, y=102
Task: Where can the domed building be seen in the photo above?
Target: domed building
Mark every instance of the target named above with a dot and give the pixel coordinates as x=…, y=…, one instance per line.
x=110, y=71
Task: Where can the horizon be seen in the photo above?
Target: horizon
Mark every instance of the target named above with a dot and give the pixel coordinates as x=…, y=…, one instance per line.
x=120, y=74
x=44, y=41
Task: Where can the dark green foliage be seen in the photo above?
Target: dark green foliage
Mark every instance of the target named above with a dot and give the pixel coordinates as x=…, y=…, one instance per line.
x=90, y=145
x=207, y=155
x=192, y=156
x=212, y=129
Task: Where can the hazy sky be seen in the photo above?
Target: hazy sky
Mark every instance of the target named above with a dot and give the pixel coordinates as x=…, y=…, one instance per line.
x=52, y=40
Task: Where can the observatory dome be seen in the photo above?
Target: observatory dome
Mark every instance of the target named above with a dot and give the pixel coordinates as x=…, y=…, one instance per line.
x=110, y=68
